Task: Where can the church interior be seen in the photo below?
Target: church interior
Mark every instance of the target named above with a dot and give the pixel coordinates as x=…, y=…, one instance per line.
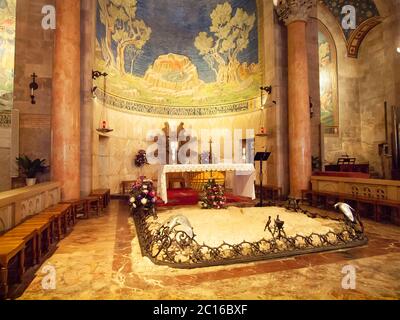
x=199, y=149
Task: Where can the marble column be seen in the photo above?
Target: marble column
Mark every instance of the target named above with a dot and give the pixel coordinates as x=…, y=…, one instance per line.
x=65, y=124
x=88, y=37
x=295, y=14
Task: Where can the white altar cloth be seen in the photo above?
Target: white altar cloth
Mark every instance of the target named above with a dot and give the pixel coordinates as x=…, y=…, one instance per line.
x=243, y=184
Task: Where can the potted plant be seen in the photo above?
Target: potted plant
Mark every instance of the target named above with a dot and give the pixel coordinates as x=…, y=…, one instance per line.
x=30, y=168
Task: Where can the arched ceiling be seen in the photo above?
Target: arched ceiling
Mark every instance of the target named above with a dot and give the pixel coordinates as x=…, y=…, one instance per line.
x=367, y=17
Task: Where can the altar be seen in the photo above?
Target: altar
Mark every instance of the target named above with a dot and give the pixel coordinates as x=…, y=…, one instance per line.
x=243, y=181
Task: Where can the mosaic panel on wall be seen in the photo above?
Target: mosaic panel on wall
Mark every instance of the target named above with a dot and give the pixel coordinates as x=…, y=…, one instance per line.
x=328, y=81
x=179, y=57
x=7, y=53
x=365, y=9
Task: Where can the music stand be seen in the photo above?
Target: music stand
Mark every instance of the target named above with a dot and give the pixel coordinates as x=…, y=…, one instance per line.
x=261, y=156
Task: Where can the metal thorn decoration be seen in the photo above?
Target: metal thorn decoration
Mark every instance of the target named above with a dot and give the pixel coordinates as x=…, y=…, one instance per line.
x=178, y=249
x=293, y=204
x=279, y=228
x=267, y=226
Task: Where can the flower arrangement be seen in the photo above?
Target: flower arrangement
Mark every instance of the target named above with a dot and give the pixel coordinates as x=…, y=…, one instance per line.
x=213, y=196
x=143, y=196
x=141, y=159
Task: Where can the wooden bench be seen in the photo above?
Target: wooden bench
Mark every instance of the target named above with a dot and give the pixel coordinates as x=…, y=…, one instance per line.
x=315, y=198
x=104, y=195
x=94, y=204
x=79, y=207
x=45, y=232
x=27, y=244
x=10, y=249
x=64, y=218
x=126, y=186
x=270, y=192
x=30, y=236
x=394, y=206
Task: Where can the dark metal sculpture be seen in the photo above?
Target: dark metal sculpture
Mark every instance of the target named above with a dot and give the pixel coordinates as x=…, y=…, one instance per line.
x=178, y=250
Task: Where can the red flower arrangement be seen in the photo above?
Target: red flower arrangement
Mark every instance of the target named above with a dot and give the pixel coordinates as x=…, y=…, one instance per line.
x=213, y=196
x=141, y=159
x=143, y=196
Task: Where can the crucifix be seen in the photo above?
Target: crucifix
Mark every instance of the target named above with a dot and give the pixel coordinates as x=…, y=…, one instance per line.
x=33, y=86
x=210, y=155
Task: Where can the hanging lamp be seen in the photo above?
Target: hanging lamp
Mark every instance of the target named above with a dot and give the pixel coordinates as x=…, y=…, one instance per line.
x=104, y=125
x=264, y=99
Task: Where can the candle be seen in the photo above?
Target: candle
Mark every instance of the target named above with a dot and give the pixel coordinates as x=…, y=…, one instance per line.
x=244, y=154
x=32, y=92
x=104, y=124
x=173, y=150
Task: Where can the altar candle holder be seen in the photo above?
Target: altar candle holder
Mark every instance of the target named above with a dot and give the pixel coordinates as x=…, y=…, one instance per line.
x=173, y=151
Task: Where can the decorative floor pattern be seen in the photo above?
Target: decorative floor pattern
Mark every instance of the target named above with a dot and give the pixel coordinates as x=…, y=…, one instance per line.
x=101, y=259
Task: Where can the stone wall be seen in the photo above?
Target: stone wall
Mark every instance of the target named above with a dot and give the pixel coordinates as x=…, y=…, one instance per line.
x=379, y=72
x=364, y=85
x=34, y=53
x=114, y=154
x=5, y=154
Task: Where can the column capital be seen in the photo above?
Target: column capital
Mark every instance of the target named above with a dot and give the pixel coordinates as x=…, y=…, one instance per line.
x=294, y=10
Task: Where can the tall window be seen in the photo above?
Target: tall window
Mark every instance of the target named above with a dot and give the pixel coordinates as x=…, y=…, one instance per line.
x=328, y=81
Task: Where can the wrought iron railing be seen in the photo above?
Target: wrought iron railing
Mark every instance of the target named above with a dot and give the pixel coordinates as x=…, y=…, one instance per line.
x=177, y=249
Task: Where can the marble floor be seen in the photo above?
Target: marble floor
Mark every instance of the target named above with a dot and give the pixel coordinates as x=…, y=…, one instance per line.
x=101, y=259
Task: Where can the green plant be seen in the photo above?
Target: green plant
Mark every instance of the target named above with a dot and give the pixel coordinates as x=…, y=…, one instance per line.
x=30, y=168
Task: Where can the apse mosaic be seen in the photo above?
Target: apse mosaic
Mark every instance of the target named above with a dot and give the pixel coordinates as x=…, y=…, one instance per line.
x=365, y=9
x=179, y=58
x=328, y=81
x=7, y=53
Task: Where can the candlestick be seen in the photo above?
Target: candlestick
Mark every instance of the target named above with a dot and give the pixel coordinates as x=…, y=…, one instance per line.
x=210, y=155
